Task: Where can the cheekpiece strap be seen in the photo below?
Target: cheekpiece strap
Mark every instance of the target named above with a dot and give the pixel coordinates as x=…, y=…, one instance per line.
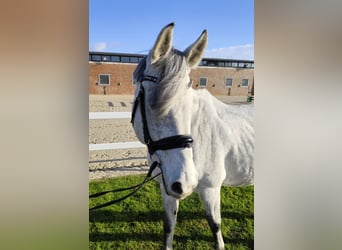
x=172, y=142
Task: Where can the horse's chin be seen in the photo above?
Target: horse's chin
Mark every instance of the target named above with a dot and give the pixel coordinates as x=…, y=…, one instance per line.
x=180, y=196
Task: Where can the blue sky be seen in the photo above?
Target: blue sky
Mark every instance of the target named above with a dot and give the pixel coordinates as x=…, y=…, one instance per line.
x=131, y=26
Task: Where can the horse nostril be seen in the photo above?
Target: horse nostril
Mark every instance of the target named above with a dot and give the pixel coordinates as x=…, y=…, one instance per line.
x=177, y=187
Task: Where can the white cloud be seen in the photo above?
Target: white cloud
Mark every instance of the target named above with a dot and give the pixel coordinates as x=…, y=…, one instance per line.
x=100, y=46
x=242, y=52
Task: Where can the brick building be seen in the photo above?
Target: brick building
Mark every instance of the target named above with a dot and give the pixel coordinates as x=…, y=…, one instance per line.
x=111, y=73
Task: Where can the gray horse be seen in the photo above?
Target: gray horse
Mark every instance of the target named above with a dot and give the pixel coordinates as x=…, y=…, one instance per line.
x=223, y=135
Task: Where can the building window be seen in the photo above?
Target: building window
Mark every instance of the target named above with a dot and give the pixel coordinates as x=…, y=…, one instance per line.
x=241, y=65
x=228, y=64
x=105, y=58
x=204, y=63
x=234, y=64
x=133, y=59
x=115, y=58
x=104, y=79
x=202, y=82
x=125, y=59
x=228, y=83
x=212, y=63
x=249, y=65
x=96, y=57
x=244, y=83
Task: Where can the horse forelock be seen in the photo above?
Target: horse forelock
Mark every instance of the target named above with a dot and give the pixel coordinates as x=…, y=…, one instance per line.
x=172, y=70
x=171, y=86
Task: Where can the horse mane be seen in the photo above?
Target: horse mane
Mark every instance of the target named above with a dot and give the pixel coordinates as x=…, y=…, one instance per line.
x=168, y=89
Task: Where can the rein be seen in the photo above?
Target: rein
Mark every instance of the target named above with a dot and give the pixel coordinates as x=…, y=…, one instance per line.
x=136, y=188
x=172, y=142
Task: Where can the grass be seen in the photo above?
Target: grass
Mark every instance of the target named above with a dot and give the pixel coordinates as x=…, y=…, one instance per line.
x=136, y=223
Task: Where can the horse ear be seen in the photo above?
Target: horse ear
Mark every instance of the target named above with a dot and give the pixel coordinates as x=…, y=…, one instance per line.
x=163, y=44
x=194, y=52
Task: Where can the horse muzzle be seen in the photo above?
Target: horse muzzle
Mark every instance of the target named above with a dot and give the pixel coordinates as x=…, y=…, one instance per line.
x=180, y=191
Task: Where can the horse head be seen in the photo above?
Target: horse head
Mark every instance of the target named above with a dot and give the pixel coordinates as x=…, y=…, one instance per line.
x=164, y=76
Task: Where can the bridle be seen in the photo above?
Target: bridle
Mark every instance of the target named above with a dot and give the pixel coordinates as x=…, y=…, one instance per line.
x=172, y=142
x=176, y=141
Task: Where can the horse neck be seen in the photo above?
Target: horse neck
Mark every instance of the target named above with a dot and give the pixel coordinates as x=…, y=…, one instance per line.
x=201, y=103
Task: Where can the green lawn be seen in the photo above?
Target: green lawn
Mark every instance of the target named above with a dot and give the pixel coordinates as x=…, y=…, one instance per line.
x=136, y=223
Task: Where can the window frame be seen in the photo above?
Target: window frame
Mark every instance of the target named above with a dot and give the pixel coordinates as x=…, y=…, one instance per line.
x=125, y=59
x=225, y=82
x=115, y=58
x=103, y=84
x=105, y=58
x=242, y=86
x=133, y=59
x=96, y=58
x=234, y=64
x=206, y=82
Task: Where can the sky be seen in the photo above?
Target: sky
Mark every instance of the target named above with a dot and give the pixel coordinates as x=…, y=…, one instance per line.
x=132, y=26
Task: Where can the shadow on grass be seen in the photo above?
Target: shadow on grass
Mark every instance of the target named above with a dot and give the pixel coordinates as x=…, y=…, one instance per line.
x=108, y=216
x=141, y=225
x=97, y=237
x=158, y=237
